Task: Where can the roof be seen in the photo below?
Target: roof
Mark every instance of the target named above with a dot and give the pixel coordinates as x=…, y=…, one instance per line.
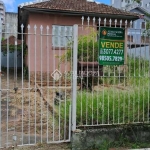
x=11, y=41
x=145, y=12
x=79, y=6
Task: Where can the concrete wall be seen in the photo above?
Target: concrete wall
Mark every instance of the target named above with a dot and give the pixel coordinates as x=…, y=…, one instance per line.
x=98, y=138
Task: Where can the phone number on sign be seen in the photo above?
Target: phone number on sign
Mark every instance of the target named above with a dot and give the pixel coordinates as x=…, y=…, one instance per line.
x=110, y=58
x=111, y=51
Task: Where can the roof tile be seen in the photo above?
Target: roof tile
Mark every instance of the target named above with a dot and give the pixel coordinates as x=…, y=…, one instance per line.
x=80, y=6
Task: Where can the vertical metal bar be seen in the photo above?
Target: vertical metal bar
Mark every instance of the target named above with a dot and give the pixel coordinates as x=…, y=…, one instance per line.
x=7, y=83
x=108, y=111
x=139, y=93
x=134, y=76
x=144, y=70
x=71, y=47
x=0, y=82
x=48, y=82
x=87, y=83
x=148, y=110
x=74, y=88
x=29, y=69
x=60, y=37
x=125, y=65
x=81, y=78
x=118, y=85
x=54, y=63
x=103, y=104
x=114, y=88
x=35, y=34
x=93, y=40
x=41, y=41
x=69, y=123
x=22, y=27
x=65, y=36
x=15, y=83
x=99, y=24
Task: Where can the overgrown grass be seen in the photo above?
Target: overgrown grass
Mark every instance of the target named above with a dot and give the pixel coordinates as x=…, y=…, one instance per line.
x=125, y=99
x=113, y=106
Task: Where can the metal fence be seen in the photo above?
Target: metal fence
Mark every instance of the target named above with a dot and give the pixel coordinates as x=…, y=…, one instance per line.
x=113, y=94
x=61, y=86
x=35, y=100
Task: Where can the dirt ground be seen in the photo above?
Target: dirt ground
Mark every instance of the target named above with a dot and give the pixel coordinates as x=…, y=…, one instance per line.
x=25, y=113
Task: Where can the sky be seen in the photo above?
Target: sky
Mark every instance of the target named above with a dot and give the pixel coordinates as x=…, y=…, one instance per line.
x=12, y=5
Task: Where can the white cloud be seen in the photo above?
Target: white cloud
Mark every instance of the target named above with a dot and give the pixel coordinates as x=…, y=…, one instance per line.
x=9, y=4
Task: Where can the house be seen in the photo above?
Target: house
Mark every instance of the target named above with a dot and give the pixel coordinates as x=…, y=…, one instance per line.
x=135, y=34
x=142, y=8
x=14, y=49
x=60, y=16
x=123, y=4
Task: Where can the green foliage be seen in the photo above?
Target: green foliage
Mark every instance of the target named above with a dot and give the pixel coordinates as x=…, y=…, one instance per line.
x=3, y=38
x=25, y=72
x=87, y=48
x=138, y=1
x=12, y=48
x=146, y=32
x=137, y=66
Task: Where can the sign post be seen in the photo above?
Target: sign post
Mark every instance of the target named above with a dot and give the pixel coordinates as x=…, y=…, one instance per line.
x=112, y=45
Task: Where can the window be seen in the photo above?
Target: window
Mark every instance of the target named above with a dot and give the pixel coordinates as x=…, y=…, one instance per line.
x=147, y=5
x=61, y=35
x=143, y=25
x=130, y=38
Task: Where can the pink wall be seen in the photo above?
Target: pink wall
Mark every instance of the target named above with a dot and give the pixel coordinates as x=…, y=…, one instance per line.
x=45, y=55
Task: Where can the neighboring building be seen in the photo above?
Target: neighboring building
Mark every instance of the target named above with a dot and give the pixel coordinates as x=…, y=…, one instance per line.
x=11, y=18
x=142, y=8
x=60, y=16
x=2, y=11
x=130, y=4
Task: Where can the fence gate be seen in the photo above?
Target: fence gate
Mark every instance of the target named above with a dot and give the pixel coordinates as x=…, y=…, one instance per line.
x=36, y=93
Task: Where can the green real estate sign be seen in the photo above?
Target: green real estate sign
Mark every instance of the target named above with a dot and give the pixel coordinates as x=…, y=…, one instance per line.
x=111, y=46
